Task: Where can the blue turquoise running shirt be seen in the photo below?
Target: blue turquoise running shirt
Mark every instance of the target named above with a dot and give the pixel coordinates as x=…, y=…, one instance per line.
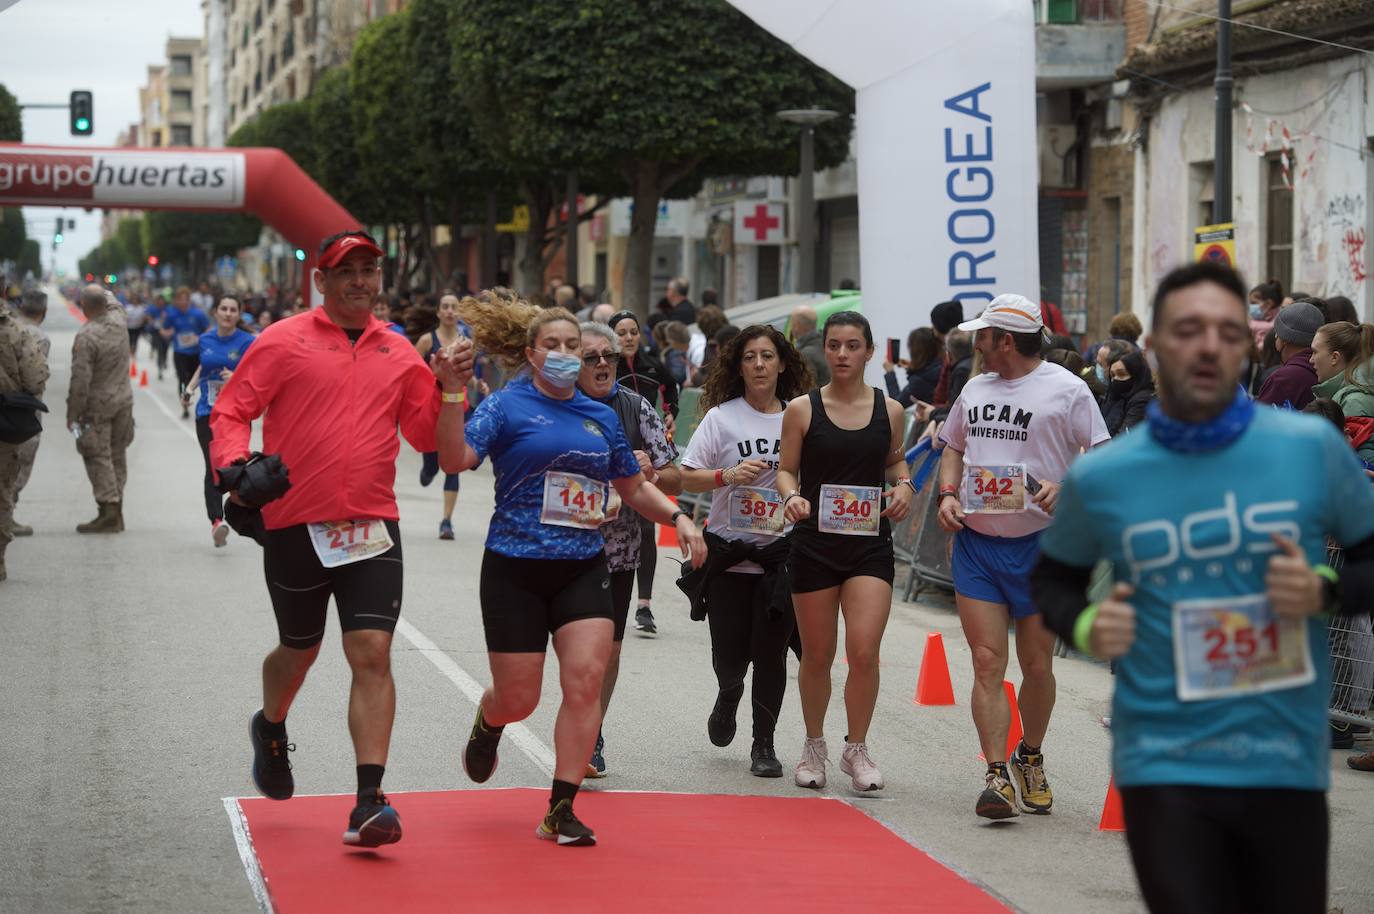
x=216, y=354
x=187, y=326
x=528, y=434
x=1190, y=532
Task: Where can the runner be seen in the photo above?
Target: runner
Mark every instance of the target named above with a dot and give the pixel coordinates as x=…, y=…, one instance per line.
x=135, y=314
x=553, y=450
x=334, y=384
x=843, y=441
x=733, y=455
x=644, y=374
x=220, y=352
x=1216, y=618
x=1009, y=440
x=182, y=327
x=646, y=435
x=448, y=331
x=152, y=325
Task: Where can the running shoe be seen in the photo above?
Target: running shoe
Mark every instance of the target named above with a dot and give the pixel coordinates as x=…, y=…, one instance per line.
x=373, y=823
x=562, y=826
x=763, y=761
x=271, y=768
x=720, y=726
x=446, y=529
x=810, y=771
x=596, y=768
x=998, y=799
x=644, y=622
x=1028, y=770
x=1341, y=735
x=219, y=532
x=479, y=756
x=858, y=764
x=427, y=475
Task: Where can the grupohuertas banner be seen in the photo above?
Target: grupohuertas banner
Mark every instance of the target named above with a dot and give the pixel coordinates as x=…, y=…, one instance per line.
x=946, y=145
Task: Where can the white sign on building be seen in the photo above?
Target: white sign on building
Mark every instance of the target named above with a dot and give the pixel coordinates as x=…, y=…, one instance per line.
x=674, y=217
x=757, y=222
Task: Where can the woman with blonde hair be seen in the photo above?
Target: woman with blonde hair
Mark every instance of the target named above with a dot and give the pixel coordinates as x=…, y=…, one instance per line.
x=554, y=451
x=1341, y=354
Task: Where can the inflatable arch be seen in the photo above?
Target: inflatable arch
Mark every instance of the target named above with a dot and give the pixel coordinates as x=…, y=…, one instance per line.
x=264, y=182
x=946, y=145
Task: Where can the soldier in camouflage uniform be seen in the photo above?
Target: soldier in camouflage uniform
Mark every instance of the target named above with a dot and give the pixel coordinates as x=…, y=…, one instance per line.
x=23, y=369
x=100, y=405
x=32, y=310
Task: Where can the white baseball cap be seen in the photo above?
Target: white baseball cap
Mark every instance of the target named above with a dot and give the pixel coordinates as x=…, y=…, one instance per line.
x=1011, y=312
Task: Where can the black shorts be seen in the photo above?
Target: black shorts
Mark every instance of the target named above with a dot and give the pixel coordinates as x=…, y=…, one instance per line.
x=367, y=593
x=822, y=560
x=622, y=590
x=526, y=600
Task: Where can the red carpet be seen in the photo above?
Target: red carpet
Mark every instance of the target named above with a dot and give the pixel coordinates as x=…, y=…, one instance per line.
x=475, y=850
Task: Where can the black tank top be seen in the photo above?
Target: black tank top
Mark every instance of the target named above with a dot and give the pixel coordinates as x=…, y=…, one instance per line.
x=834, y=455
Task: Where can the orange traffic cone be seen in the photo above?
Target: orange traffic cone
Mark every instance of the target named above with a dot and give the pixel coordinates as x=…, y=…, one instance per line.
x=933, y=686
x=143, y=379
x=1014, y=732
x=133, y=369
x=667, y=536
x=1113, y=818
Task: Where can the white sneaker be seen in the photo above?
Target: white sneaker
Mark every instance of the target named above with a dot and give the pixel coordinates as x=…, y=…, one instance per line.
x=856, y=762
x=810, y=771
x=219, y=532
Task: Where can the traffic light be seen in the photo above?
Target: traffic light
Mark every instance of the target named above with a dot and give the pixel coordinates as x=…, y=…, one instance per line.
x=57, y=238
x=300, y=255
x=82, y=110
x=112, y=279
x=90, y=277
x=152, y=260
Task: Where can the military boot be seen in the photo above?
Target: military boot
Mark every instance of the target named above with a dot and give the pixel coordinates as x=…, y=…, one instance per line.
x=2, y=562
x=119, y=513
x=107, y=521
x=18, y=529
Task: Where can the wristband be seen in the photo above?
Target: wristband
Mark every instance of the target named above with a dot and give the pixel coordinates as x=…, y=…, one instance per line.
x=1331, y=588
x=904, y=480
x=676, y=514
x=1083, y=629
x=949, y=490
x=720, y=478
x=461, y=397
x=790, y=497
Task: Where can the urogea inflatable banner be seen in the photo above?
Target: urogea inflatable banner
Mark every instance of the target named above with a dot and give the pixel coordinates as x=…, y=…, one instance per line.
x=264, y=182
x=946, y=145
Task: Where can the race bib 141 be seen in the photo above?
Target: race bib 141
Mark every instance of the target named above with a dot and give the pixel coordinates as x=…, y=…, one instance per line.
x=571, y=500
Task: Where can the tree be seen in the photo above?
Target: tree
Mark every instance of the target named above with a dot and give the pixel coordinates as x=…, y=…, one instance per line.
x=286, y=127
x=12, y=233
x=130, y=235
x=659, y=94
x=30, y=259
x=336, y=156
x=11, y=123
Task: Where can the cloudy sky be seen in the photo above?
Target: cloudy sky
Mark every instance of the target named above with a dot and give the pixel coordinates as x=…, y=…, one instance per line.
x=50, y=47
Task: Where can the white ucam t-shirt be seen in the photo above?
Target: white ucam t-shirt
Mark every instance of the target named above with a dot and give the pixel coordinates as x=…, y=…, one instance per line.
x=728, y=435
x=1042, y=421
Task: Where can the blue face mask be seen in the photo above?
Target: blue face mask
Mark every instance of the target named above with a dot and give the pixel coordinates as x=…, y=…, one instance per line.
x=1101, y=372
x=1256, y=312
x=561, y=369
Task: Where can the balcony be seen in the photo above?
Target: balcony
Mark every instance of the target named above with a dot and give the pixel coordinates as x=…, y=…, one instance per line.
x=1077, y=42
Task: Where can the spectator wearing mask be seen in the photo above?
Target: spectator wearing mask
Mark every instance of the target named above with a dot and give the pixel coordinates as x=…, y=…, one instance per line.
x=1108, y=354
x=1130, y=388
x=1341, y=354
x=1265, y=301
x=807, y=340
x=923, y=367
x=1126, y=327
x=944, y=317
x=1291, y=383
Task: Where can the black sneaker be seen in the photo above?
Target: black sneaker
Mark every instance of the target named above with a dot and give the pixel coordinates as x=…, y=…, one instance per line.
x=479, y=756
x=596, y=768
x=373, y=823
x=764, y=761
x=562, y=826
x=644, y=621
x=1341, y=735
x=271, y=767
x=720, y=726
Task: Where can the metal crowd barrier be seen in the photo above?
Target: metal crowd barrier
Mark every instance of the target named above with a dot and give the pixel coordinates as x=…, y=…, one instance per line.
x=1350, y=643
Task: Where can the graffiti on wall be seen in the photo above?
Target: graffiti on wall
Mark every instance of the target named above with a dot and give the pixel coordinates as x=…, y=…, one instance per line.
x=1345, y=217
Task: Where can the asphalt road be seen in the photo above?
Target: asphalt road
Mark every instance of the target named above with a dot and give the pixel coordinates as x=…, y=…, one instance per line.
x=131, y=666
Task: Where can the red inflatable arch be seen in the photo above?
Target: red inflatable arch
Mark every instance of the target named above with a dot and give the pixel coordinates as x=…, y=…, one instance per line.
x=264, y=182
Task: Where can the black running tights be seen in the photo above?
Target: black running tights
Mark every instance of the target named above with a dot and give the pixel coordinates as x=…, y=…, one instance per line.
x=743, y=632
x=214, y=499
x=648, y=558
x=1215, y=850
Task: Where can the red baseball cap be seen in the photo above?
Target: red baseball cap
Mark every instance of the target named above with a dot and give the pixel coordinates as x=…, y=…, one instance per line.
x=336, y=247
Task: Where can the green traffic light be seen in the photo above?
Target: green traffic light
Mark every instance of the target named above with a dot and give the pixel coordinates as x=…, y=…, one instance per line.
x=83, y=123
x=57, y=239
x=300, y=255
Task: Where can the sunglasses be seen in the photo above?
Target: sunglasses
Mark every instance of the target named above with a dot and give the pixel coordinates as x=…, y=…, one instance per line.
x=611, y=358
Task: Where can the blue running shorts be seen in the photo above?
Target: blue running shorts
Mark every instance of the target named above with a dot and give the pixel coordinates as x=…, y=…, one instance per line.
x=996, y=569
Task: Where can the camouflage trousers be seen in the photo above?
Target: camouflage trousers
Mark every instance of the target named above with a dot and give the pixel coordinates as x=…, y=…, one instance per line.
x=9, y=475
x=102, y=445
x=27, y=452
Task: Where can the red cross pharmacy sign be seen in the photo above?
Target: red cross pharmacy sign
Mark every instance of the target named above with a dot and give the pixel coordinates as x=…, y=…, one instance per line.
x=758, y=223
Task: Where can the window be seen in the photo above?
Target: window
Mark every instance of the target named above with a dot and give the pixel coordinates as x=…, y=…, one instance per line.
x=181, y=135
x=233, y=111
x=181, y=65
x=272, y=66
x=288, y=46
x=244, y=100
x=181, y=100
x=1278, y=224
x=257, y=19
x=257, y=82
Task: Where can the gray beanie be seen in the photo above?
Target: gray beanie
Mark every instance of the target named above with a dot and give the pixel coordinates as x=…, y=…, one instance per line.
x=1298, y=323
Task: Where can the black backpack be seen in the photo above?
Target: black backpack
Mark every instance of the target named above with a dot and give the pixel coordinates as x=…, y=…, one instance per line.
x=19, y=417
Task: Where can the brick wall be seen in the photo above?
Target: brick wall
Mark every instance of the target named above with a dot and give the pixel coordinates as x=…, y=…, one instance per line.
x=1110, y=211
x=1137, y=15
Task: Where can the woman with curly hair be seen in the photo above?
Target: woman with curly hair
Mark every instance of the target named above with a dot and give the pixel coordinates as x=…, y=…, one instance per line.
x=554, y=451
x=743, y=589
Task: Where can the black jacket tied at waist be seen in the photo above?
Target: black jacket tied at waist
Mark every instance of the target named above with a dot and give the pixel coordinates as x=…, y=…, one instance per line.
x=723, y=554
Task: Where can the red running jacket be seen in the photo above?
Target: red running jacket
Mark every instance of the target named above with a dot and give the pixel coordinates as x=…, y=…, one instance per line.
x=332, y=409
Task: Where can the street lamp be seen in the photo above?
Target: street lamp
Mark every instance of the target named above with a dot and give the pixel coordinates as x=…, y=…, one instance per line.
x=808, y=118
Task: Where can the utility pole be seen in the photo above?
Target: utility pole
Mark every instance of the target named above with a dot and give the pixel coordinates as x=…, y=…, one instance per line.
x=1221, y=171
x=570, y=249
x=808, y=119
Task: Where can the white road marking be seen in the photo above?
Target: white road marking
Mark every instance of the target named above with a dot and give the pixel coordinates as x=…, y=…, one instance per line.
x=244, y=842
